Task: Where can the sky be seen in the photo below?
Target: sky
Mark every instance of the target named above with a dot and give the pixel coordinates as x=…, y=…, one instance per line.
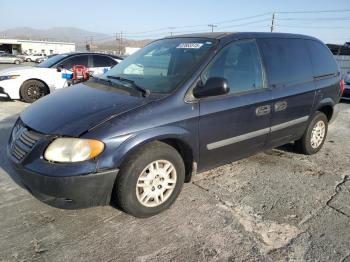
x=155, y=18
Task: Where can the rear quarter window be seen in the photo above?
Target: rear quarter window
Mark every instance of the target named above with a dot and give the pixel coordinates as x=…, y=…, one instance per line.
x=103, y=61
x=322, y=59
x=286, y=60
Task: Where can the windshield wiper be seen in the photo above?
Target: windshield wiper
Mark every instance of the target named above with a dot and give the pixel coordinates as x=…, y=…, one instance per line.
x=145, y=92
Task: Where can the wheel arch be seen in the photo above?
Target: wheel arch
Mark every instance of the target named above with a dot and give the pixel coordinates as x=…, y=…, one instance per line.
x=326, y=106
x=179, y=140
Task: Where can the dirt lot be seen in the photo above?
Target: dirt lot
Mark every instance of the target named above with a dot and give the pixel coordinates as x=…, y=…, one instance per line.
x=275, y=206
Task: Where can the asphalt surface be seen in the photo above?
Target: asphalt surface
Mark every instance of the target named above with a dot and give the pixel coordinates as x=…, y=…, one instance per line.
x=275, y=206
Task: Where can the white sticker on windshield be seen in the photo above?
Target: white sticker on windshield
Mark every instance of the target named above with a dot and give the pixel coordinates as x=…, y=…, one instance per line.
x=190, y=45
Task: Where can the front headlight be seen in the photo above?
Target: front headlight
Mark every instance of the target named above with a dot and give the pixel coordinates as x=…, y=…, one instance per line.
x=73, y=150
x=8, y=77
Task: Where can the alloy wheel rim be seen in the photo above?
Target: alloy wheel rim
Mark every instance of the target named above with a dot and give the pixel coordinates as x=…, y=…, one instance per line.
x=34, y=91
x=317, y=134
x=156, y=183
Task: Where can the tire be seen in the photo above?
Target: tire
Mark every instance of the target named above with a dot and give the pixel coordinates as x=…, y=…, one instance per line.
x=32, y=90
x=17, y=62
x=136, y=171
x=28, y=60
x=306, y=145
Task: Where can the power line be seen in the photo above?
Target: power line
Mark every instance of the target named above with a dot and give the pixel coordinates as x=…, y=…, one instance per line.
x=319, y=27
x=316, y=19
x=202, y=25
x=314, y=11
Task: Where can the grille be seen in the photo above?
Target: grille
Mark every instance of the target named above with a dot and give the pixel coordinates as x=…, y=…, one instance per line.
x=22, y=141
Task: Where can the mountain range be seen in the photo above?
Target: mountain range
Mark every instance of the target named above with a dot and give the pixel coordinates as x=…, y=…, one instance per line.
x=68, y=34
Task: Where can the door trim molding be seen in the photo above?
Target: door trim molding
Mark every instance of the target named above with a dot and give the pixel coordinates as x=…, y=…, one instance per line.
x=260, y=132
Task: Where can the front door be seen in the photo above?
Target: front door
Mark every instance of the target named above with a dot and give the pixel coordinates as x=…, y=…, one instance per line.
x=235, y=125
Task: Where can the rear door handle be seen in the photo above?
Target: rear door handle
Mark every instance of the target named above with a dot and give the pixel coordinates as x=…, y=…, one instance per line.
x=280, y=106
x=263, y=110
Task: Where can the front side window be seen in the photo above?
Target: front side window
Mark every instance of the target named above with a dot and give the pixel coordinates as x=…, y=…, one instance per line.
x=163, y=64
x=75, y=60
x=239, y=63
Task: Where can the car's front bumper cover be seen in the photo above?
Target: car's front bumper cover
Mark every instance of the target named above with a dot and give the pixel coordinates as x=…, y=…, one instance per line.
x=3, y=93
x=70, y=192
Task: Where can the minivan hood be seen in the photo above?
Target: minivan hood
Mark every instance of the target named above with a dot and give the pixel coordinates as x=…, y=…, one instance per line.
x=74, y=110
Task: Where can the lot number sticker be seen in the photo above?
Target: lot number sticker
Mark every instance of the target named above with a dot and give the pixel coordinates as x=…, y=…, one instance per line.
x=190, y=45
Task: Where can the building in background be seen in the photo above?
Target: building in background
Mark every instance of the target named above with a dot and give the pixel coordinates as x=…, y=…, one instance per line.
x=16, y=46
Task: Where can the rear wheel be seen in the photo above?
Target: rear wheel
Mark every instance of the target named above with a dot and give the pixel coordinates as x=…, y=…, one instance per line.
x=32, y=90
x=17, y=62
x=29, y=60
x=150, y=180
x=314, y=136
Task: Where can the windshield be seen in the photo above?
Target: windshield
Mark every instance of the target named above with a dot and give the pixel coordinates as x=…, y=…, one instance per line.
x=51, y=61
x=163, y=64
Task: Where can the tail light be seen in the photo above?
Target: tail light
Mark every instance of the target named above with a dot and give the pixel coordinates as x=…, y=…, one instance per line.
x=341, y=87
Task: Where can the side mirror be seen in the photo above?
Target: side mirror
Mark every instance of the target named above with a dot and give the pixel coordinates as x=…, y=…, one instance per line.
x=59, y=68
x=214, y=86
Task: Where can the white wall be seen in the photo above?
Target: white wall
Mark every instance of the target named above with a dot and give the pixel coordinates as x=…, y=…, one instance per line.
x=47, y=48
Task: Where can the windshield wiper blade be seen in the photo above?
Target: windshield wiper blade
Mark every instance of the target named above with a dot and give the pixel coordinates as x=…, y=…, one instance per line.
x=145, y=92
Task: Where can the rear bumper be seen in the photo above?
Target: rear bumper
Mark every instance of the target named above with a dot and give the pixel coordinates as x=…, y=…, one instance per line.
x=70, y=192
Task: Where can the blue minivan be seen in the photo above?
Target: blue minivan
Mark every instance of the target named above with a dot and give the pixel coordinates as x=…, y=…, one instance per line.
x=178, y=106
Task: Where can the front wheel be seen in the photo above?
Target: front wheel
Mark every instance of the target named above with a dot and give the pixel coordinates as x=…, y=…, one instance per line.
x=32, y=90
x=150, y=180
x=314, y=136
x=17, y=62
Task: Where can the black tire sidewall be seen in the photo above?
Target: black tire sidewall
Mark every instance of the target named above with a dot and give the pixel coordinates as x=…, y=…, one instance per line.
x=318, y=116
x=24, y=88
x=125, y=192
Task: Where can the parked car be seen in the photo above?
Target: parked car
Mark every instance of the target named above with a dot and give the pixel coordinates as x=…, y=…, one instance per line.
x=346, y=94
x=31, y=83
x=178, y=106
x=10, y=59
x=42, y=59
x=33, y=57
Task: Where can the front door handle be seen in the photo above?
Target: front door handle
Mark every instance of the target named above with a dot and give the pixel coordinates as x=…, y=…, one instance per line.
x=263, y=110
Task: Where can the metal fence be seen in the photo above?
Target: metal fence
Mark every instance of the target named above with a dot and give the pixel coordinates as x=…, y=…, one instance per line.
x=343, y=63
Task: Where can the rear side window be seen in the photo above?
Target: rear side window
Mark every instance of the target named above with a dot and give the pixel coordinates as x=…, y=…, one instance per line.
x=239, y=63
x=103, y=61
x=75, y=60
x=322, y=59
x=287, y=61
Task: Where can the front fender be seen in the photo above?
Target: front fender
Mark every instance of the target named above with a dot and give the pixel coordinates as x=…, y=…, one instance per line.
x=115, y=155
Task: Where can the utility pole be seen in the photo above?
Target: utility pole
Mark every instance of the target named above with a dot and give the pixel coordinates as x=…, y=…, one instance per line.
x=119, y=40
x=273, y=22
x=171, y=30
x=212, y=27
x=121, y=43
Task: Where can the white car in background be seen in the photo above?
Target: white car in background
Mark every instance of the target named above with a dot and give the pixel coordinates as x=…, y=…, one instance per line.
x=33, y=82
x=33, y=57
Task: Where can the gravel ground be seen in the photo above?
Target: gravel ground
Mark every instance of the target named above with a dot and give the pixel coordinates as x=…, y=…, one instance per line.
x=275, y=206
